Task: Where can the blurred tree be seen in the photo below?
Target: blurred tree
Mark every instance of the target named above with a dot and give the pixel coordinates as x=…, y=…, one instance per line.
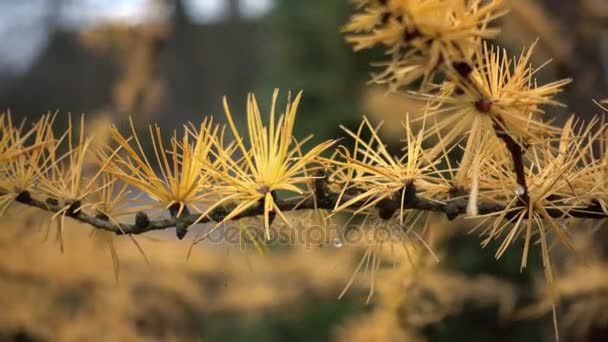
x=205, y=61
x=304, y=50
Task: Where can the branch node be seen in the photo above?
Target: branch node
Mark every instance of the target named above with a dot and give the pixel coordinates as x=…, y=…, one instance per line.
x=320, y=184
x=410, y=34
x=483, y=105
x=410, y=198
x=74, y=208
x=142, y=221
x=263, y=190
x=181, y=227
x=387, y=207
x=24, y=197
x=452, y=211
x=463, y=69
x=218, y=214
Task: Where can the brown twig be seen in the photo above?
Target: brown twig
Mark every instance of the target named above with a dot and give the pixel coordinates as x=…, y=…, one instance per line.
x=517, y=156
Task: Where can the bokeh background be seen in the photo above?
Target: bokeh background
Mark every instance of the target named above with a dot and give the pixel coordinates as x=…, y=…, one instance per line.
x=172, y=61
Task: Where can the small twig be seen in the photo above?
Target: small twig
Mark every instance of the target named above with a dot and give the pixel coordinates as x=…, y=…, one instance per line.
x=517, y=155
x=484, y=105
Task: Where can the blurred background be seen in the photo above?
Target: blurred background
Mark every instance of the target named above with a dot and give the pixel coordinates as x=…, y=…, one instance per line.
x=172, y=61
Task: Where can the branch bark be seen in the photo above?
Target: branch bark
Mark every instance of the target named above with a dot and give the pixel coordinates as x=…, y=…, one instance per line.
x=144, y=224
x=517, y=156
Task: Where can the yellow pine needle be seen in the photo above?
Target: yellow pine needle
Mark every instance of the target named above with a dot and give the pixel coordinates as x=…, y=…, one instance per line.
x=12, y=140
x=271, y=161
x=501, y=92
x=20, y=172
x=421, y=35
x=177, y=177
x=550, y=176
x=345, y=175
x=109, y=200
x=64, y=176
x=380, y=174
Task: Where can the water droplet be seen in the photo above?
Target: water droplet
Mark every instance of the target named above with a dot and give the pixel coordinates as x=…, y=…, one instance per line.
x=337, y=243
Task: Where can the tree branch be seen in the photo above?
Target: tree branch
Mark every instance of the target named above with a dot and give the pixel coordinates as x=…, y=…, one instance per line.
x=143, y=224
